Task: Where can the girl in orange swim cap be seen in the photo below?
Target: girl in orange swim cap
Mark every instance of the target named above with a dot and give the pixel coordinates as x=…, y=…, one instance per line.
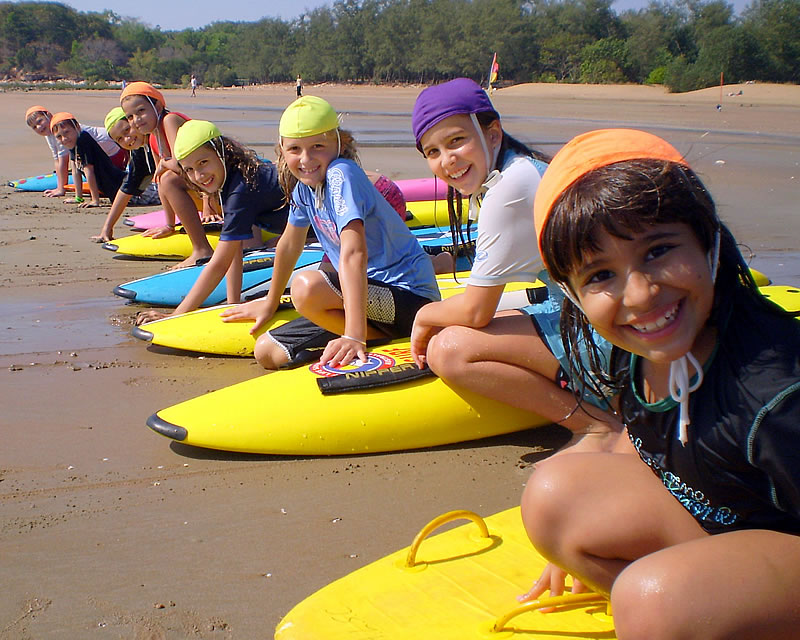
x=707, y=501
x=145, y=108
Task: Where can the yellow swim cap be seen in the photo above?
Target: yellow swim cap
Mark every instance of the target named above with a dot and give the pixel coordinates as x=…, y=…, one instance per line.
x=114, y=116
x=308, y=116
x=192, y=135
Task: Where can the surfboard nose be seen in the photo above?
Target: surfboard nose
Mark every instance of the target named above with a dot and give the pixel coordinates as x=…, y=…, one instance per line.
x=165, y=428
x=141, y=334
x=122, y=292
x=110, y=246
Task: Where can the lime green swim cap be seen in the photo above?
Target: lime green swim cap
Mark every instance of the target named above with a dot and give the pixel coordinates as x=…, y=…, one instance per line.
x=308, y=116
x=114, y=116
x=192, y=135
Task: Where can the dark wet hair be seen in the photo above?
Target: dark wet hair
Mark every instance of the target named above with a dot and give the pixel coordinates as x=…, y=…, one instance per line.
x=623, y=199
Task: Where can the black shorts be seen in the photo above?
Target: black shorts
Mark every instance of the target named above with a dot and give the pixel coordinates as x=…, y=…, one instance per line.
x=390, y=309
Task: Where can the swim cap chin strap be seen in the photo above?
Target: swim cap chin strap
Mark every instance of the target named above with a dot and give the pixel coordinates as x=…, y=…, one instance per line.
x=680, y=385
x=493, y=176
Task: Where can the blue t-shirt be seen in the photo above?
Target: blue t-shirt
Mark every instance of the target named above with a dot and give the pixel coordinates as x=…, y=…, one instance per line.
x=394, y=256
x=244, y=205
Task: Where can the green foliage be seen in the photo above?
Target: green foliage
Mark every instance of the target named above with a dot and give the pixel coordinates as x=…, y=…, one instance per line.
x=684, y=44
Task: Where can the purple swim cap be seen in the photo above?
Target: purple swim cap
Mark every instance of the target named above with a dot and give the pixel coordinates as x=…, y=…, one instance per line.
x=434, y=104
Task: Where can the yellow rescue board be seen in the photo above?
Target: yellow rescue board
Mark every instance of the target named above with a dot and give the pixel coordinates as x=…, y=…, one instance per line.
x=457, y=585
x=786, y=297
x=204, y=330
x=174, y=247
x=428, y=213
x=407, y=415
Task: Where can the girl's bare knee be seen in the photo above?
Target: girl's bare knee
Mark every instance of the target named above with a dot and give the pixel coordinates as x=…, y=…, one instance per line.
x=447, y=353
x=643, y=606
x=268, y=354
x=302, y=290
x=543, y=502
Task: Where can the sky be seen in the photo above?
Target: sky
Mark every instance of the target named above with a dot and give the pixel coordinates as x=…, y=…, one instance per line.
x=173, y=15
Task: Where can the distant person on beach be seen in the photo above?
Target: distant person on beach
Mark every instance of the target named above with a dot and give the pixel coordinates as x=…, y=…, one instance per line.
x=298, y=85
x=691, y=527
x=137, y=187
x=194, y=86
x=89, y=159
x=512, y=356
x=146, y=110
x=380, y=275
x=38, y=119
x=249, y=196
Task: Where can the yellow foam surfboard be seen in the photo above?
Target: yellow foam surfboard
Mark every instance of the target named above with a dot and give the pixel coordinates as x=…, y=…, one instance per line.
x=408, y=415
x=173, y=247
x=204, y=330
x=458, y=585
x=428, y=213
x=785, y=296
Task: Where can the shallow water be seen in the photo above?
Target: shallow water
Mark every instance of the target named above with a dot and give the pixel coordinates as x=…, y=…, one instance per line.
x=34, y=327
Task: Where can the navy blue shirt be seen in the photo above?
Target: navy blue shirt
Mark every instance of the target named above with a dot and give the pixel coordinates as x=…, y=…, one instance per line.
x=139, y=174
x=244, y=205
x=740, y=468
x=88, y=152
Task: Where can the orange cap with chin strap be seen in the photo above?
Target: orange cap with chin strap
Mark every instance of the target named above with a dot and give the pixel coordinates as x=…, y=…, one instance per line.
x=35, y=109
x=142, y=89
x=62, y=116
x=590, y=151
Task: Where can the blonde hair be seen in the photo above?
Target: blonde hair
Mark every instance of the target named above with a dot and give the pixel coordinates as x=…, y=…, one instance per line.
x=348, y=149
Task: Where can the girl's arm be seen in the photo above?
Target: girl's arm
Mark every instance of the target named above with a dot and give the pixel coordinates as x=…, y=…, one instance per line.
x=353, y=278
x=287, y=251
x=225, y=255
x=234, y=278
x=121, y=201
x=474, y=308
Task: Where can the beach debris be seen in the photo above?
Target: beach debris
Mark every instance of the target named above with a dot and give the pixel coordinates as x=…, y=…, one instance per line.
x=719, y=162
x=335, y=520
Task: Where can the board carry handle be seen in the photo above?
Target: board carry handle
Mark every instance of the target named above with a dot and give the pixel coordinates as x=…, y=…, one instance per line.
x=554, y=601
x=450, y=516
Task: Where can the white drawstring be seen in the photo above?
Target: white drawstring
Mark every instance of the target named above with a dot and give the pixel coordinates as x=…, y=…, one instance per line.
x=494, y=175
x=680, y=388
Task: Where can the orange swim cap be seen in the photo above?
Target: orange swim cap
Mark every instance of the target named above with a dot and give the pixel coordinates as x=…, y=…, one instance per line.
x=590, y=151
x=61, y=116
x=142, y=89
x=35, y=109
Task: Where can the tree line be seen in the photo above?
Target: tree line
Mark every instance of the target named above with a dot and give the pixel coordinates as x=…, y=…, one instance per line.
x=683, y=44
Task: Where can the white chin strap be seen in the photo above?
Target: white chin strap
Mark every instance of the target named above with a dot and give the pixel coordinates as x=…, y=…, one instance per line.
x=319, y=190
x=680, y=385
x=493, y=176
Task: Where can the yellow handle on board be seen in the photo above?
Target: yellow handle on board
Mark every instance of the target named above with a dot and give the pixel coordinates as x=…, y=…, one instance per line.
x=541, y=603
x=437, y=522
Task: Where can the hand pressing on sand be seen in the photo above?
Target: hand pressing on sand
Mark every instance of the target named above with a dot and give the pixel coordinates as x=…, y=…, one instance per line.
x=149, y=316
x=54, y=193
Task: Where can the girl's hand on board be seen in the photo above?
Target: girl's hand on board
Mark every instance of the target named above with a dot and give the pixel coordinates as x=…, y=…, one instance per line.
x=343, y=350
x=159, y=232
x=210, y=216
x=148, y=316
x=255, y=310
x=552, y=580
x=421, y=335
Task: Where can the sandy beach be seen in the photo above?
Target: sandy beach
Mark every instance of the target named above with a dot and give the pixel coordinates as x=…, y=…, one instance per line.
x=108, y=530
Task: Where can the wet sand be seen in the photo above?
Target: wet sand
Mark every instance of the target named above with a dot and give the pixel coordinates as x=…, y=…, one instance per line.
x=108, y=530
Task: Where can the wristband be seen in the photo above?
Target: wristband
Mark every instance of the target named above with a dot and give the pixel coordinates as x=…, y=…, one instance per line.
x=354, y=339
x=78, y=199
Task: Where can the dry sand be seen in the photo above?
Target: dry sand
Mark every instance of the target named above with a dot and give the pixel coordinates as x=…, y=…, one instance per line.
x=108, y=530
